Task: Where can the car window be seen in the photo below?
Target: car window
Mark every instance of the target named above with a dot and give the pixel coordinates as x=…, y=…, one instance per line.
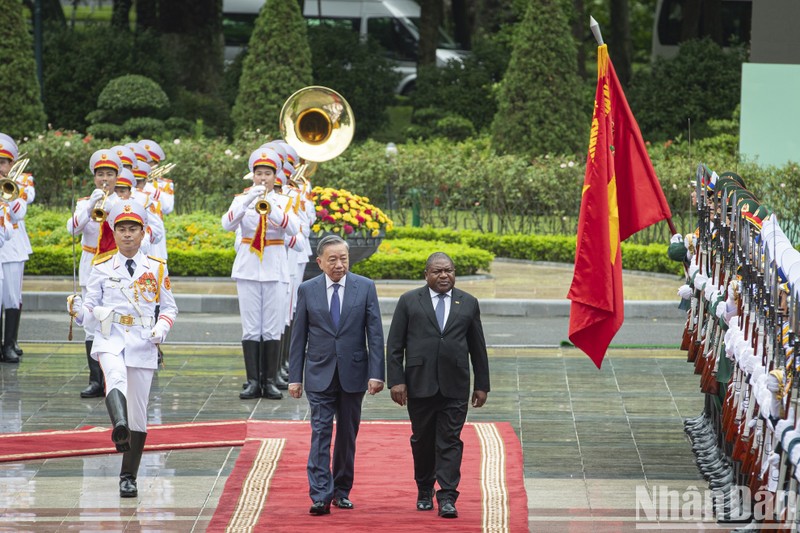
x=393, y=37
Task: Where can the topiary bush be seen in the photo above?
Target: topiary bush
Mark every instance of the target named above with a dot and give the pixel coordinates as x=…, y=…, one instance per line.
x=23, y=112
x=541, y=108
x=405, y=259
x=131, y=96
x=277, y=64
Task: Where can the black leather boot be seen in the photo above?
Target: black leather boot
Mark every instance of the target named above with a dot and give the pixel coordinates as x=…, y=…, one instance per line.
x=270, y=353
x=11, y=326
x=284, y=368
x=117, y=406
x=252, y=388
x=16, y=335
x=130, y=465
x=96, y=386
x=283, y=345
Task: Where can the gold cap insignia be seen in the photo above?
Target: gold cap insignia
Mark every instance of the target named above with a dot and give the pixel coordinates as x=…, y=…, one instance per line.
x=127, y=208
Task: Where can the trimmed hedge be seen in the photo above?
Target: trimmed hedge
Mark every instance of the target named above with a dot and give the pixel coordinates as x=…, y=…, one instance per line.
x=405, y=259
x=199, y=247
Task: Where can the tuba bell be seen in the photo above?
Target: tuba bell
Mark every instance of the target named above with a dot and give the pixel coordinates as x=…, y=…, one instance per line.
x=318, y=123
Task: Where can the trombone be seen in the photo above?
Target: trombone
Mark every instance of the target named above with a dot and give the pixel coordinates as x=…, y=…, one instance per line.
x=9, y=186
x=160, y=171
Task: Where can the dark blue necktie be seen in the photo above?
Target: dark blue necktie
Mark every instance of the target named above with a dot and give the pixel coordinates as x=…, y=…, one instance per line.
x=335, y=307
x=440, y=311
x=131, y=268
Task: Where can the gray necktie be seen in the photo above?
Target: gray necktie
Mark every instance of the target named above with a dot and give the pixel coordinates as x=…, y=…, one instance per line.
x=440, y=311
x=131, y=266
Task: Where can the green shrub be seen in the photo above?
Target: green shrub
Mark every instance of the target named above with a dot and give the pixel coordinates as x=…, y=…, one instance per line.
x=702, y=82
x=455, y=128
x=23, y=112
x=541, y=108
x=465, y=89
x=189, y=107
x=405, y=259
x=106, y=130
x=277, y=64
x=133, y=95
x=143, y=128
x=358, y=70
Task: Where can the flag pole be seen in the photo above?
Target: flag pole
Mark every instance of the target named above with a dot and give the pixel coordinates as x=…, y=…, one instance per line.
x=598, y=36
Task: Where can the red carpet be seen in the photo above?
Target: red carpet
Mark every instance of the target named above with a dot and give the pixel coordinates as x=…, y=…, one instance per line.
x=92, y=440
x=268, y=488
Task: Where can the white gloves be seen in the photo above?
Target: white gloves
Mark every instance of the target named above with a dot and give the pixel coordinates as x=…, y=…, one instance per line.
x=74, y=304
x=254, y=192
x=720, y=310
x=676, y=238
x=733, y=290
x=685, y=292
x=159, y=333
x=96, y=196
x=700, y=281
x=773, y=385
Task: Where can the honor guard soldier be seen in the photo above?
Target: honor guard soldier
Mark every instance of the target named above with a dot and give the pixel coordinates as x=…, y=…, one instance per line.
x=97, y=241
x=261, y=271
x=120, y=299
x=124, y=189
x=160, y=189
x=12, y=250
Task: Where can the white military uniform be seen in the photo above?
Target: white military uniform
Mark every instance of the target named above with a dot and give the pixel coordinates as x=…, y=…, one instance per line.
x=96, y=237
x=125, y=349
x=14, y=254
x=161, y=191
x=262, y=281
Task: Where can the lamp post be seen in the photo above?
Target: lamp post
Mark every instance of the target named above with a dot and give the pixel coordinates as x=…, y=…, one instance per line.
x=391, y=154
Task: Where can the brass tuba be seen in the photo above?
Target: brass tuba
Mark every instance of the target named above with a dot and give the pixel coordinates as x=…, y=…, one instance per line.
x=318, y=123
x=9, y=186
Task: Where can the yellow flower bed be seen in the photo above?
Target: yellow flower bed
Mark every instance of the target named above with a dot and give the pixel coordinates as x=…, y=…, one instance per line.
x=344, y=213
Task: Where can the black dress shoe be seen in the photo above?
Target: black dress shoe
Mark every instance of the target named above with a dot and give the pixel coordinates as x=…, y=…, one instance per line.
x=94, y=390
x=447, y=509
x=425, y=500
x=320, y=508
x=342, y=503
x=127, y=487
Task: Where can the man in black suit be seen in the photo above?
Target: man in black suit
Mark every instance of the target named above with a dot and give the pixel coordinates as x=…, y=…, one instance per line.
x=336, y=351
x=436, y=330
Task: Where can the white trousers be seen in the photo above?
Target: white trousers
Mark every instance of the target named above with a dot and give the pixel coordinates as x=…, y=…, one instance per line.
x=88, y=325
x=12, y=284
x=262, y=305
x=134, y=383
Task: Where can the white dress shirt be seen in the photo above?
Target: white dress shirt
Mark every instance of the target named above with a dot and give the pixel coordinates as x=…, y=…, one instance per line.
x=329, y=291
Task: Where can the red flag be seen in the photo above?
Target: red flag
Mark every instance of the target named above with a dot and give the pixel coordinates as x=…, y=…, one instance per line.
x=621, y=195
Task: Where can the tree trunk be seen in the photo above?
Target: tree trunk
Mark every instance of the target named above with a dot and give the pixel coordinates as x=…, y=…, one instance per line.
x=192, y=35
x=146, y=15
x=620, y=46
x=462, y=24
x=120, y=14
x=579, y=33
x=52, y=12
x=430, y=19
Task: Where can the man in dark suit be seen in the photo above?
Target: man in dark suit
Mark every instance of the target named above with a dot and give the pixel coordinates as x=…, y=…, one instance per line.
x=436, y=330
x=336, y=352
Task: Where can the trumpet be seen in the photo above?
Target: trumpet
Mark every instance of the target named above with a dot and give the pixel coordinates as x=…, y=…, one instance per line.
x=99, y=213
x=262, y=205
x=300, y=178
x=9, y=186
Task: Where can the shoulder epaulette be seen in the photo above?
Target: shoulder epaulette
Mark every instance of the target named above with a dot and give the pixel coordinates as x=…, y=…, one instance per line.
x=159, y=259
x=101, y=260
x=84, y=198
